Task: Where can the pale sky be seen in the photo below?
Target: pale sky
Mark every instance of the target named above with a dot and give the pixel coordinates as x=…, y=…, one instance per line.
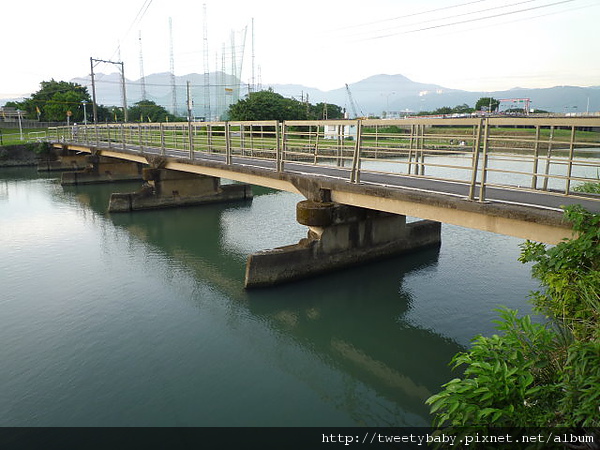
x=476, y=45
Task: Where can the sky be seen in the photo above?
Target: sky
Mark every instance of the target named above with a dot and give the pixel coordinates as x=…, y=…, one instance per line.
x=475, y=45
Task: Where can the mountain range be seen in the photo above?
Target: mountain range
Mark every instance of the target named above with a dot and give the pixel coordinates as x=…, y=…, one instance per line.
x=372, y=96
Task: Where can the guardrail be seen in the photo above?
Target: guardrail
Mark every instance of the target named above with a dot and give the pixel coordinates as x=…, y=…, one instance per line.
x=550, y=154
x=22, y=138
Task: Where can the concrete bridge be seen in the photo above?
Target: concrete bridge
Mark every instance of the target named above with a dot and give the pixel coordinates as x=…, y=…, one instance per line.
x=360, y=178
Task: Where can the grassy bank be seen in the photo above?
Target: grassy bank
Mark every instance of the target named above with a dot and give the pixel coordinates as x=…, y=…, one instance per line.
x=12, y=136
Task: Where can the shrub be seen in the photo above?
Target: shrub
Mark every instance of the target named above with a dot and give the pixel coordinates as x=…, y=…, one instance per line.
x=538, y=375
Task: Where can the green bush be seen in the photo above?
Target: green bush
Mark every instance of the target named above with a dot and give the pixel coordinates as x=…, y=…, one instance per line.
x=510, y=380
x=538, y=375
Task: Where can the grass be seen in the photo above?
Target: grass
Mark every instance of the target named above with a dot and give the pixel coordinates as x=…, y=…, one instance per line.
x=12, y=136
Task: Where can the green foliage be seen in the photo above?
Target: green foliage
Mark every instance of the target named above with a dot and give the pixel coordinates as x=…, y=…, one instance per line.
x=535, y=375
x=149, y=111
x=570, y=273
x=509, y=380
x=487, y=104
x=322, y=111
x=447, y=110
x=268, y=105
x=589, y=187
x=54, y=98
x=40, y=148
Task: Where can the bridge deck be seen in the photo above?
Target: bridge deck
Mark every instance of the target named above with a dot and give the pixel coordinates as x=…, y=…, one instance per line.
x=285, y=161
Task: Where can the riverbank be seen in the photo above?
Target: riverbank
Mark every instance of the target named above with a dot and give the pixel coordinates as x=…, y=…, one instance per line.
x=23, y=155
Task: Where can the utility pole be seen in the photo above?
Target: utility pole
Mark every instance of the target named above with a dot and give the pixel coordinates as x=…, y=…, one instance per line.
x=119, y=63
x=189, y=102
x=125, y=118
x=94, y=108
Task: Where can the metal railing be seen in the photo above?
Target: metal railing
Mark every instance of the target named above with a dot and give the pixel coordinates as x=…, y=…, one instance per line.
x=549, y=154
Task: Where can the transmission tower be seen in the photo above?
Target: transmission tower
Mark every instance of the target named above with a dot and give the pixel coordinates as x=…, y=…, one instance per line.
x=172, y=67
x=253, y=79
x=142, y=78
x=207, y=112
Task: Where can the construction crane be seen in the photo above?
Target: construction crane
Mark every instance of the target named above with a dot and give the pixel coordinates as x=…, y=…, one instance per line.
x=354, y=105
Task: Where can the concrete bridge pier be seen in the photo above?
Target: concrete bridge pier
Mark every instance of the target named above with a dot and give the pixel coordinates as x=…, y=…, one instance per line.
x=102, y=169
x=64, y=161
x=170, y=188
x=339, y=236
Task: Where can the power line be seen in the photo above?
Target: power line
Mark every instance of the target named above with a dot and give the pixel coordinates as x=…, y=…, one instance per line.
x=411, y=15
x=536, y=17
x=470, y=13
x=467, y=21
x=138, y=18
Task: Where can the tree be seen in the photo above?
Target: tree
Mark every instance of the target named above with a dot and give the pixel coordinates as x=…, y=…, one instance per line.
x=538, y=375
x=487, y=104
x=149, y=111
x=267, y=105
x=322, y=111
x=53, y=101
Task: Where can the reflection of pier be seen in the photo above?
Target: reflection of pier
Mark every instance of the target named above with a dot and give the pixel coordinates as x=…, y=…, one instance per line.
x=352, y=322
x=355, y=322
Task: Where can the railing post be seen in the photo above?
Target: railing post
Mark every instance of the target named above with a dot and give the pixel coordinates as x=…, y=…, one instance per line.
x=190, y=140
x=570, y=164
x=162, y=139
x=536, y=155
x=209, y=138
x=486, y=135
x=140, y=141
x=227, y=144
x=278, y=138
x=242, y=140
x=475, y=162
x=316, y=151
x=421, y=165
x=410, y=147
x=355, y=174
x=548, y=157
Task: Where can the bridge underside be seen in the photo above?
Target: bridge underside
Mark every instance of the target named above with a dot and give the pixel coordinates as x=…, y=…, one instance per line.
x=537, y=224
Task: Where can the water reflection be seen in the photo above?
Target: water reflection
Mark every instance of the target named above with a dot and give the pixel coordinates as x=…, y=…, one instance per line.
x=353, y=320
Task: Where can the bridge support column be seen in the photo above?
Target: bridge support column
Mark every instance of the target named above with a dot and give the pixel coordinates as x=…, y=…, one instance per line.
x=101, y=169
x=63, y=161
x=339, y=236
x=169, y=188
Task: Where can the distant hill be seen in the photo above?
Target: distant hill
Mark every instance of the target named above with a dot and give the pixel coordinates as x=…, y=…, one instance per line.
x=158, y=89
x=373, y=95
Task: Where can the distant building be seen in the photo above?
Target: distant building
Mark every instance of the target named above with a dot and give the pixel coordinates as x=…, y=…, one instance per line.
x=335, y=131
x=9, y=114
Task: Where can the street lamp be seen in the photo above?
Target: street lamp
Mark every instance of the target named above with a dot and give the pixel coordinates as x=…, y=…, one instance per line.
x=84, y=112
x=19, y=113
x=387, y=102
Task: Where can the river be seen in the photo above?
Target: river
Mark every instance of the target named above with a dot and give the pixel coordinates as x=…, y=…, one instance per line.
x=141, y=319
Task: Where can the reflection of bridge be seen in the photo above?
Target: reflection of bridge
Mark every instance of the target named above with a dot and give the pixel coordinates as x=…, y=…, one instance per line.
x=506, y=175
x=320, y=317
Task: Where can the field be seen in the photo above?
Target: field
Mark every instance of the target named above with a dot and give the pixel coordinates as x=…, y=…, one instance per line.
x=12, y=136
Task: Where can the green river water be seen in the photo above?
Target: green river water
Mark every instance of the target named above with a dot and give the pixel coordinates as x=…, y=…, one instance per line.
x=142, y=320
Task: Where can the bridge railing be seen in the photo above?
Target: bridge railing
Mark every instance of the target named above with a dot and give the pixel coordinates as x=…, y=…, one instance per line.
x=550, y=154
